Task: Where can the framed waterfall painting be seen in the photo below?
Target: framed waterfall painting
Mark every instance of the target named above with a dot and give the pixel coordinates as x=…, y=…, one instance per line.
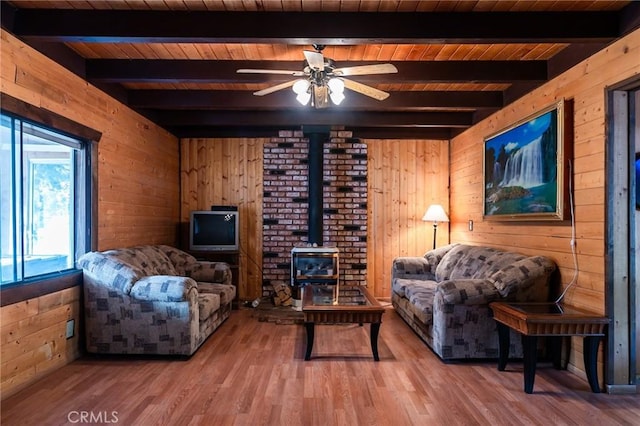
x=524, y=171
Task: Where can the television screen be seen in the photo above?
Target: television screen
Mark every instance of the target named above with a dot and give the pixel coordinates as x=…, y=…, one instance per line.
x=214, y=230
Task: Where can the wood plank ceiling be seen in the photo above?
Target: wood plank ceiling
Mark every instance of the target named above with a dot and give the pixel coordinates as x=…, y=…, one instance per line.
x=175, y=61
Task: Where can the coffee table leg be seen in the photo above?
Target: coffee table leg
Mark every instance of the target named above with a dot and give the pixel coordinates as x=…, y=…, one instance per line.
x=375, y=329
x=529, y=347
x=591, y=344
x=503, y=346
x=309, y=326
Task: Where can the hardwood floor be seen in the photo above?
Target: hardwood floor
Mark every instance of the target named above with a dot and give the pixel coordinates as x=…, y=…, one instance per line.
x=254, y=373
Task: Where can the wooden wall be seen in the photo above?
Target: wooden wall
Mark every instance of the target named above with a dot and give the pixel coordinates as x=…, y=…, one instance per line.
x=585, y=85
x=228, y=172
x=140, y=176
x=138, y=201
x=405, y=176
x=34, y=340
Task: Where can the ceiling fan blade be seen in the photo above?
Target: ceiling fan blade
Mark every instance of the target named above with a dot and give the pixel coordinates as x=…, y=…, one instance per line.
x=314, y=59
x=365, y=90
x=275, y=88
x=265, y=71
x=367, y=69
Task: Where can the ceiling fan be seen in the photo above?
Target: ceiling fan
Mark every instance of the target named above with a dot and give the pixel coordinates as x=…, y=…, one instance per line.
x=320, y=80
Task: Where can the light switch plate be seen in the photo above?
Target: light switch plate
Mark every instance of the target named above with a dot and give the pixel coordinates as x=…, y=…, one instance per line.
x=70, y=328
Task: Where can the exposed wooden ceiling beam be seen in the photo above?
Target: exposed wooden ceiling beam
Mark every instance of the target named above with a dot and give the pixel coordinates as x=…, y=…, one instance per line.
x=404, y=115
x=239, y=99
x=304, y=28
x=331, y=117
x=421, y=133
x=207, y=71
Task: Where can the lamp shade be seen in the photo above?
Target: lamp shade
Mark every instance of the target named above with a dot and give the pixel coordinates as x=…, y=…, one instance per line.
x=435, y=213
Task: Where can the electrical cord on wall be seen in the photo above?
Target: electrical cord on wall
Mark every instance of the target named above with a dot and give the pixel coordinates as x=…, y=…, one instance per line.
x=574, y=279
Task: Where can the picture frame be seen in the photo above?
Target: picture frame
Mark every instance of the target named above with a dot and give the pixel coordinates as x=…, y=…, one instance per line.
x=524, y=173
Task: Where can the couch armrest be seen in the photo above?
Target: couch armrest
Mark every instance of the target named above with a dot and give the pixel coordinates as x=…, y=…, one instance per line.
x=211, y=272
x=110, y=272
x=163, y=288
x=467, y=292
x=411, y=268
x=525, y=280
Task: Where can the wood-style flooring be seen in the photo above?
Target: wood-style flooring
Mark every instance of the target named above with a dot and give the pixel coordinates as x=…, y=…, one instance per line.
x=253, y=373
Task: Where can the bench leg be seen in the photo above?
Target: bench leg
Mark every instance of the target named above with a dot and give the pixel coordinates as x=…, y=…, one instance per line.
x=309, y=326
x=375, y=329
x=503, y=346
x=591, y=344
x=530, y=349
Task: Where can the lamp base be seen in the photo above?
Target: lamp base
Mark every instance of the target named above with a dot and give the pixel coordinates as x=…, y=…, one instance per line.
x=435, y=229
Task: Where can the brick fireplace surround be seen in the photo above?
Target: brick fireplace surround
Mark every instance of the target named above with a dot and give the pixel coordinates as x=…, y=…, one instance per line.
x=285, y=204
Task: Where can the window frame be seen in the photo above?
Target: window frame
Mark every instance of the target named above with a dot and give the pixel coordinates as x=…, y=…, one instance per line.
x=51, y=283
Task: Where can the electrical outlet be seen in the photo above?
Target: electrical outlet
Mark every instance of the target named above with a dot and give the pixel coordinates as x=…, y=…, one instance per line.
x=470, y=225
x=70, y=328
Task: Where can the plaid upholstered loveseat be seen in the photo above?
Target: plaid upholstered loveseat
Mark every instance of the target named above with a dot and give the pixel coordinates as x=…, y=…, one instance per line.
x=444, y=295
x=152, y=300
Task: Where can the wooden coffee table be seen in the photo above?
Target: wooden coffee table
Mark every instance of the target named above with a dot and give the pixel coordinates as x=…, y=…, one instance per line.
x=532, y=320
x=338, y=304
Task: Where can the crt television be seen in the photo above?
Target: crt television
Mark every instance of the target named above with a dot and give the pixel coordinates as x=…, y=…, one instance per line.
x=214, y=230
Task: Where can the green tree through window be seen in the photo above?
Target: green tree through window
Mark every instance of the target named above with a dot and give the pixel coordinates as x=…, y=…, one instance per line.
x=39, y=177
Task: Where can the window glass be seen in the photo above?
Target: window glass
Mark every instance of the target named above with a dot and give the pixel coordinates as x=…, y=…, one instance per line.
x=38, y=181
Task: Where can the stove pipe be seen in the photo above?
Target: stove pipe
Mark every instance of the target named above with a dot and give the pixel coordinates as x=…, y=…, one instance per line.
x=317, y=137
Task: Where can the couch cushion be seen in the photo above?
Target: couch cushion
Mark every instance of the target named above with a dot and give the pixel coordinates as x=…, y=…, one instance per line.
x=226, y=292
x=158, y=261
x=420, y=293
x=466, y=261
x=163, y=288
x=149, y=259
x=213, y=272
x=471, y=291
x=434, y=257
x=207, y=305
x=180, y=259
x=398, y=286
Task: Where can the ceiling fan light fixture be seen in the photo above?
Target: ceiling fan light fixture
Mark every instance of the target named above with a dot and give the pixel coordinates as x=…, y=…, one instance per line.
x=303, y=98
x=301, y=89
x=336, y=85
x=336, y=90
x=301, y=86
x=336, y=97
x=321, y=83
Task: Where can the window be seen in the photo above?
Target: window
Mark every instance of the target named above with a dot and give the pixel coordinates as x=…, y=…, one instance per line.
x=43, y=201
